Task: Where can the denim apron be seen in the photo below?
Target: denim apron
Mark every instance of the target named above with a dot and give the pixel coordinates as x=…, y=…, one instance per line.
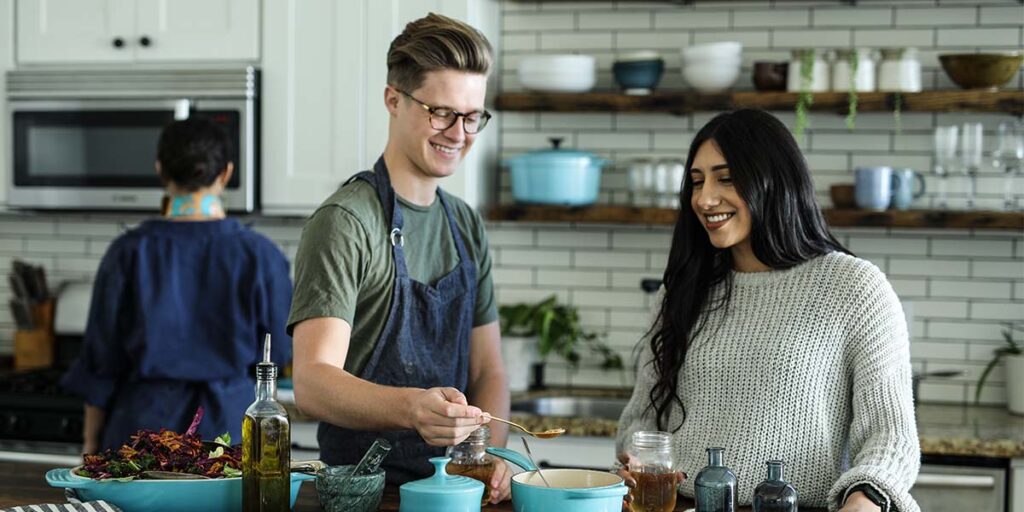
x=424, y=344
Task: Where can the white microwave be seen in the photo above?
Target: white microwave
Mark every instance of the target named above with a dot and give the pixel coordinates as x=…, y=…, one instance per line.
x=87, y=139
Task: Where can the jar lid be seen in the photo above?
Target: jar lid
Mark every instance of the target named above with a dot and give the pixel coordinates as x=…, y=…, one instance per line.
x=442, y=483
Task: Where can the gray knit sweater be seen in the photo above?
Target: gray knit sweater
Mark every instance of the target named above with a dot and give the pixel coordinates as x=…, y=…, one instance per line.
x=810, y=365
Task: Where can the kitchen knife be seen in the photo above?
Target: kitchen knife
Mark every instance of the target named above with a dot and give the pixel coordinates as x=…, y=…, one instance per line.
x=24, y=272
x=17, y=285
x=39, y=279
x=22, y=313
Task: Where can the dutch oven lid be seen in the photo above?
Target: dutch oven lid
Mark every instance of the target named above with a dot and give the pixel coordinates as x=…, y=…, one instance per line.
x=443, y=483
x=556, y=153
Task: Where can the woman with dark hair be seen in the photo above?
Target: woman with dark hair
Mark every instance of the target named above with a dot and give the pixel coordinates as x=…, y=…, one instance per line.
x=772, y=340
x=180, y=305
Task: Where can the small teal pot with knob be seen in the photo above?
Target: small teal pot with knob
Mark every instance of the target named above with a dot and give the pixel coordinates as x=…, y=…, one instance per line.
x=441, y=492
x=572, y=490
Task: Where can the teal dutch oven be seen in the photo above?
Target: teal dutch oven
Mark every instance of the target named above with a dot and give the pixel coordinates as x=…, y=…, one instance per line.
x=221, y=494
x=556, y=176
x=572, y=490
x=441, y=492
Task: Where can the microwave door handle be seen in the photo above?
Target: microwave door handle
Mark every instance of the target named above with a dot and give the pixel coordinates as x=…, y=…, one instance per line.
x=960, y=481
x=182, y=109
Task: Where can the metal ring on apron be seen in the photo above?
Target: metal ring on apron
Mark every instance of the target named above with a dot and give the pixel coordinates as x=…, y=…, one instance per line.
x=397, y=233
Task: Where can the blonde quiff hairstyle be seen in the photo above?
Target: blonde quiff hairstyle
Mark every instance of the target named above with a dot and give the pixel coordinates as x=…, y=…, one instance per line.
x=435, y=43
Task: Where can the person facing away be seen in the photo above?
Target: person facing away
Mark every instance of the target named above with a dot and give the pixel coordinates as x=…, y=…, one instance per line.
x=394, y=319
x=772, y=340
x=180, y=306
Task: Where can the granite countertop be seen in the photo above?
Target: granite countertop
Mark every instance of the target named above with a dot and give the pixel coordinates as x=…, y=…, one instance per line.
x=966, y=430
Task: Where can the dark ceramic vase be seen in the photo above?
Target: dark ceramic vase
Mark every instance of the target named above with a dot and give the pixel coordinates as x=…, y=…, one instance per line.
x=774, y=494
x=715, y=486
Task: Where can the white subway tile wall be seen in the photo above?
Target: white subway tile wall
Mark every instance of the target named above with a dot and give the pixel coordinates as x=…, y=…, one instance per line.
x=962, y=285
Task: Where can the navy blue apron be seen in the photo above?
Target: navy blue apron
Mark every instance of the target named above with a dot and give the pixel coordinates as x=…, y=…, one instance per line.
x=424, y=344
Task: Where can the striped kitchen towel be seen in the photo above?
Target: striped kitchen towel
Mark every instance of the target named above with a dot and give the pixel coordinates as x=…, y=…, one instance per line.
x=86, y=506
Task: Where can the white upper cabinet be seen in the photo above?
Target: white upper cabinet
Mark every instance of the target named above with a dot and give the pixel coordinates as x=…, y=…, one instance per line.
x=324, y=73
x=112, y=31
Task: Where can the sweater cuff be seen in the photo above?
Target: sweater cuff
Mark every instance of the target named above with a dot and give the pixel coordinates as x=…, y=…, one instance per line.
x=891, y=485
x=888, y=503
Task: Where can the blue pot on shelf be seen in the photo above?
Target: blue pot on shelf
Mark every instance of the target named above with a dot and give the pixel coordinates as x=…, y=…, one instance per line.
x=556, y=176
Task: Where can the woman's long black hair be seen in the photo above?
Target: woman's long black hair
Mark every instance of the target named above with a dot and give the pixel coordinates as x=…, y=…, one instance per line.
x=770, y=174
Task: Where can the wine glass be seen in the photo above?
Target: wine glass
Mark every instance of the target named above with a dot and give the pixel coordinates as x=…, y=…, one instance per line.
x=1009, y=156
x=970, y=154
x=945, y=154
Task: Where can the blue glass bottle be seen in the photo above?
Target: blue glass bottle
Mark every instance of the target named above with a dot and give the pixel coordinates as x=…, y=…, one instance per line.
x=715, y=486
x=775, y=494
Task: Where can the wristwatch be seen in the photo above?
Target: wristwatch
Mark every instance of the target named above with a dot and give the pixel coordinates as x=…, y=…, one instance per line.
x=874, y=495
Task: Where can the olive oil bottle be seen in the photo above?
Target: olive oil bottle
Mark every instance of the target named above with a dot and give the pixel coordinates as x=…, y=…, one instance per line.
x=266, y=445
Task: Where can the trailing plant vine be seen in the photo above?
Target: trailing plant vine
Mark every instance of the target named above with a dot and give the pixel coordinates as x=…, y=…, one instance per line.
x=852, y=95
x=806, y=98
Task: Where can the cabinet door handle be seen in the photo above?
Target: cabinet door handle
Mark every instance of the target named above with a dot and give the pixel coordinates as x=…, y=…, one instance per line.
x=960, y=481
x=118, y=42
x=145, y=41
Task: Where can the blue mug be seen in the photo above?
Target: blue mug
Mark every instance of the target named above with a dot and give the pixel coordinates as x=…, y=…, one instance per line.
x=873, y=187
x=903, y=188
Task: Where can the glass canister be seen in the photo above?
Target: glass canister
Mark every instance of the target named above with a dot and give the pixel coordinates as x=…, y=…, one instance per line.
x=650, y=464
x=899, y=70
x=853, y=67
x=470, y=458
x=715, y=486
x=775, y=494
x=807, y=72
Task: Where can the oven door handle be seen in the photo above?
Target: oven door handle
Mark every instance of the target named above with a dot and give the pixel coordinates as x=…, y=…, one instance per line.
x=958, y=481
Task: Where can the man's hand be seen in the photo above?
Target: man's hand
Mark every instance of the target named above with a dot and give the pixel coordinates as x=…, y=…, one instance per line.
x=443, y=417
x=501, y=482
x=858, y=502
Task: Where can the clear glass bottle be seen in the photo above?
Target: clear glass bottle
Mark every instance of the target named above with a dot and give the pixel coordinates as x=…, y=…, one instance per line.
x=775, y=494
x=266, y=445
x=715, y=486
x=470, y=458
x=650, y=464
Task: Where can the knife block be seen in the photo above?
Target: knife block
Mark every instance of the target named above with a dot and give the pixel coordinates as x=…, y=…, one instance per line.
x=34, y=348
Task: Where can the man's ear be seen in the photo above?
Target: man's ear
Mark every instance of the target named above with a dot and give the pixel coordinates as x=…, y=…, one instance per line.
x=225, y=175
x=391, y=99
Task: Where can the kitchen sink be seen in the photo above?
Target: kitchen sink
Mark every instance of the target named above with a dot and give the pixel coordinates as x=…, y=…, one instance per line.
x=572, y=407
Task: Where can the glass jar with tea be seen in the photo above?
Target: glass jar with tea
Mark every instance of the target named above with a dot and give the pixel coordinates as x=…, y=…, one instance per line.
x=650, y=464
x=470, y=458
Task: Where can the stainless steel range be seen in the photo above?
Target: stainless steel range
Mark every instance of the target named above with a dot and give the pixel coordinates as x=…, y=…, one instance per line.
x=38, y=420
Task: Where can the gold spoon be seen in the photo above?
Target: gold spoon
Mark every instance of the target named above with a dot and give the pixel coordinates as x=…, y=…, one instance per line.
x=547, y=434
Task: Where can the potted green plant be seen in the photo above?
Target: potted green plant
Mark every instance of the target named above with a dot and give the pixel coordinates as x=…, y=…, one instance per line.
x=1012, y=354
x=550, y=327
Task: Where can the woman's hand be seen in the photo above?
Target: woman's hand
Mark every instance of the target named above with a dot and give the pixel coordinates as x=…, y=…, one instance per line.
x=623, y=471
x=501, y=482
x=858, y=502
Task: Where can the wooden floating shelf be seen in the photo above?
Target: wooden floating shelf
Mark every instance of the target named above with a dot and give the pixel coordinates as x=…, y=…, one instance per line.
x=836, y=218
x=686, y=102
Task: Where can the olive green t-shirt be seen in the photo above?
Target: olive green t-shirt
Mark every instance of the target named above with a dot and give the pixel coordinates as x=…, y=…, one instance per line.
x=344, y=266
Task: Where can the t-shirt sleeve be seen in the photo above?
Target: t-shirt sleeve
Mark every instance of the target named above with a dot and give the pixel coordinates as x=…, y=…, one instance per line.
x=103, y=361
x=330, y=265
x=486, y=310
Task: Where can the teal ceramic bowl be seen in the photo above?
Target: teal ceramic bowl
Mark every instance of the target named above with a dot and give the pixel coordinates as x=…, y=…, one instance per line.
x=222, y=494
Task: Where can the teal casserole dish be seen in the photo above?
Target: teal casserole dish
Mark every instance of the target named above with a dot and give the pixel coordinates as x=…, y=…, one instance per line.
x=556, y=176
x=221, y=494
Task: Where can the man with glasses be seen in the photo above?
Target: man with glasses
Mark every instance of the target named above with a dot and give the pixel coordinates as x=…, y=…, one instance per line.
x=393, y=316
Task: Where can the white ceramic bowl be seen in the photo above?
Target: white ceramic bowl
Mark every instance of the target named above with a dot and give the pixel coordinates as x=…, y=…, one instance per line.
x=709, y=79
x=724, y=50
x=558, y=73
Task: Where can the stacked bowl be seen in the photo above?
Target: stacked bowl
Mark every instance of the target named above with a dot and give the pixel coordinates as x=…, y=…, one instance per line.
x=712, y=67
x=558, y=73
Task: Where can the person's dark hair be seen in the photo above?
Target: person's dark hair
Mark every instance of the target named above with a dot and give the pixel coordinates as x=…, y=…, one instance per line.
x=787, y=228
x=193, y=152
x=433, y=43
